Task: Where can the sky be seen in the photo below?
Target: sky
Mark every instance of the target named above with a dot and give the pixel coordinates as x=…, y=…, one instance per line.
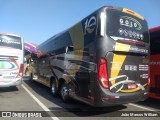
x=38, y=20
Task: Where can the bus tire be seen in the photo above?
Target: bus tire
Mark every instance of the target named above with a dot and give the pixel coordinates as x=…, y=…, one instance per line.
x=53, y=88
x=64, y=92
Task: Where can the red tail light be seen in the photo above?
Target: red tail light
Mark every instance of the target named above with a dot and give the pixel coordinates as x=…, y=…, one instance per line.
x=149, y=81
x=20, y=71
x=133, y=42
x=102, y=73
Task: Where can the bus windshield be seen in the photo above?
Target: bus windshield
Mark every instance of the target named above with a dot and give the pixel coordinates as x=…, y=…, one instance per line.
x=126, y=26
x=10, y=41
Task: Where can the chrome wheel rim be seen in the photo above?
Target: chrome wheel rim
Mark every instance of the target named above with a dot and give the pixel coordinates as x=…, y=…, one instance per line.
x=64, y=91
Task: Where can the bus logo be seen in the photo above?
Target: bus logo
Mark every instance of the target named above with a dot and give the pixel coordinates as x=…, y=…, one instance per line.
x=130, y=22
x=90, y=25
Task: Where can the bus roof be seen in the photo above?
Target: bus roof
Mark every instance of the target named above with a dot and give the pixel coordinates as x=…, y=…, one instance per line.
x=154, y=29
x=5, y=33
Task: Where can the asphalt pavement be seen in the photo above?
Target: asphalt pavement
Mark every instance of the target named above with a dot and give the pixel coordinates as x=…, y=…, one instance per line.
x=33, y=100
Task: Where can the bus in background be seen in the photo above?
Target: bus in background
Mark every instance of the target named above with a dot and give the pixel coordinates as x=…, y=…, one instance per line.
x=155, y=62
x=102, y=60
x=11, y=59
x=29, y=48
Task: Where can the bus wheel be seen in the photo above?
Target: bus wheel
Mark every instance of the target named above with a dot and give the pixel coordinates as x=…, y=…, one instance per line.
x=53, y=88
x=31, y=77
x=64, y=92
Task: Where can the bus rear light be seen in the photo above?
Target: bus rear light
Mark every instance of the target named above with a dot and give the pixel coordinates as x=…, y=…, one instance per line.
x=125, y=10
x=129, y=11
x=102, y=73
x=149, y=81
x=146, y=93
x=148, y=75
x=20, y=71
x=131, y=42
x=91, y=98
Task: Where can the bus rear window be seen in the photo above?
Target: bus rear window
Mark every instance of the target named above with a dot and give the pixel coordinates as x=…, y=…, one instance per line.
x=123, y=25
x=11, y=41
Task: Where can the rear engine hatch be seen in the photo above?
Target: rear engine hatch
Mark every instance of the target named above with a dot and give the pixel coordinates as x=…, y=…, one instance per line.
x=127, y=70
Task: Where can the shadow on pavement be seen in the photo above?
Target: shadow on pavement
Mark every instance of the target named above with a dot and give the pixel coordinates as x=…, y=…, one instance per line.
x=151, y=102
x=8, y=89
x=74, y=108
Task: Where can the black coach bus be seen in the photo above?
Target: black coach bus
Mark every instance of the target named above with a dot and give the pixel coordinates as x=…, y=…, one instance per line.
x=102, y=60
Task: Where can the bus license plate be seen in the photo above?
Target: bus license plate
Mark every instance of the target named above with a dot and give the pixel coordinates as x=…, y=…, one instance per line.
x=131, y=86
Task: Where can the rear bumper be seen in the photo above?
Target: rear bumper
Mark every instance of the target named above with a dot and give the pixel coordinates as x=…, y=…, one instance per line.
x=12, y=82
x=112, y=101
x=108, y=98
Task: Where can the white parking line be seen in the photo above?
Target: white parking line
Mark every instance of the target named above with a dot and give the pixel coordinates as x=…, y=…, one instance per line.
x=41, y=104
x=142, y=107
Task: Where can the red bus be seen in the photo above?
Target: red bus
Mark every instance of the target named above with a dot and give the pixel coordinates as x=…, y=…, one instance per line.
x=155, y=62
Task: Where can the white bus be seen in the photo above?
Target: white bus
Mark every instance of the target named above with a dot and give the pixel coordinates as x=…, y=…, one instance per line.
x=11, y=59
